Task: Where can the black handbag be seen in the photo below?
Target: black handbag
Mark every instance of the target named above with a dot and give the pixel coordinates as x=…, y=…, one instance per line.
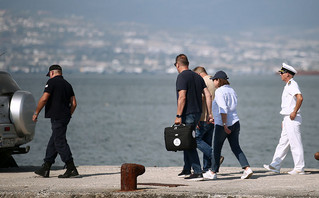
x=179, y=137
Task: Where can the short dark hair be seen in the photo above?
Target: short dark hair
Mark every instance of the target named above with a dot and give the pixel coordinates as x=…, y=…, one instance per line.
x=182, y=58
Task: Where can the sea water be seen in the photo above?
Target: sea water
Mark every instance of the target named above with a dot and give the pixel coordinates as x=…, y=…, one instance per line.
x=121, y=119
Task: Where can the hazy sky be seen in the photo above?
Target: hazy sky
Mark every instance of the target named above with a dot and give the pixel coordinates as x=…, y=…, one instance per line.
x=212, y=14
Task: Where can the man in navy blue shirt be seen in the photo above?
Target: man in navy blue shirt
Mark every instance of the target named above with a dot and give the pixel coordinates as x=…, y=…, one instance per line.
x=60, y=103
x=189, y=89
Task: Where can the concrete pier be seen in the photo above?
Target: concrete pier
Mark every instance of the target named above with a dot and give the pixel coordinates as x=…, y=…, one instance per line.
x=105, y=181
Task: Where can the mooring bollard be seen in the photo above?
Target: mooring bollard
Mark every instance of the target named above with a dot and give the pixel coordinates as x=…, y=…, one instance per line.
x=129, y=173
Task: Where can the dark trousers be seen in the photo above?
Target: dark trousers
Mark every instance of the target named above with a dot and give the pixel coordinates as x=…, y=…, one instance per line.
x=233, y=139
x=58, y=143
x=191, y=159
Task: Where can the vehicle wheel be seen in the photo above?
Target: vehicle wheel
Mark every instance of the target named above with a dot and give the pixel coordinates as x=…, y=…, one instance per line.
x=7, y=161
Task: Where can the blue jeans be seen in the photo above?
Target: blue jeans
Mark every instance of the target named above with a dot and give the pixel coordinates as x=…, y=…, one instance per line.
x=191, y=158
x=204, y=136
x=233, y=139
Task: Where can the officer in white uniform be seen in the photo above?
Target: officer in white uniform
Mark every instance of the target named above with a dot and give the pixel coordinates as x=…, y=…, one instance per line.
x=291, y=101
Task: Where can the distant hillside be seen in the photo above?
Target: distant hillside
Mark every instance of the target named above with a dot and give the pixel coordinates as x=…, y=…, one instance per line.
x=105, y=42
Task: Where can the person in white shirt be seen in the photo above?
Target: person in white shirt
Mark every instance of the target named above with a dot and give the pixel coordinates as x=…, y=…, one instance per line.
x=205, y=129
x=291, y=101
x=226, y=125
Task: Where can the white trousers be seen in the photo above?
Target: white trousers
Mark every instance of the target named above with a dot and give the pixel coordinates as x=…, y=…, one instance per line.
x=290, y=137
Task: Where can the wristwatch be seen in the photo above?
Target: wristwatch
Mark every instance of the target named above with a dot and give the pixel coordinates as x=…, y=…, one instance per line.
x=178, y=116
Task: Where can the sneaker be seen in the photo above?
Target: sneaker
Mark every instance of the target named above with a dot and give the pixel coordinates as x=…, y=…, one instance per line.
x=247, y=174
x=295, y=172
x=221, y=160
x=209, y=175
x=184, y=173
x=270, y=168
x=195, y=177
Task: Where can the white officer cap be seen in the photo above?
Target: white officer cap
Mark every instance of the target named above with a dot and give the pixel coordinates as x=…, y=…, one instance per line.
x=287, y=68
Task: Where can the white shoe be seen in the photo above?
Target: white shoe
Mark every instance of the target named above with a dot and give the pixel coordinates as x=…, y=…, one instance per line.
x=295, y=172
x=247, y=174
x=209, y=175
x=272, y=169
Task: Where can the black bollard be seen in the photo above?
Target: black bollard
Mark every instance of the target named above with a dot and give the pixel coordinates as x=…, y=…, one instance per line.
x=129, y=173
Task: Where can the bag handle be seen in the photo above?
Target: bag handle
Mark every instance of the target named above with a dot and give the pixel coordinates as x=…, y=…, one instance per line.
x=174, y=125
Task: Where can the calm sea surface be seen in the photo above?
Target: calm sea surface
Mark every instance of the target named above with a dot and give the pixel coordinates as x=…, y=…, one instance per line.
x=121, y=119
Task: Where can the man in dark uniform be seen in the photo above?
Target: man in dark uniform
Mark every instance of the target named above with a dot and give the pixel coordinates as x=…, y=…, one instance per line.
x=60, y=103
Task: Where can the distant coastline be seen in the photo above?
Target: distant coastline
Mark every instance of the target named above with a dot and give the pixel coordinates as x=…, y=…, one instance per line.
x=311, y=72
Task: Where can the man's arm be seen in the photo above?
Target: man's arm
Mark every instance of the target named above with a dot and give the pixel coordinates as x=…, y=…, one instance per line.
x=208, y=98
x=73, y=104
x=297, y=107
x=180, y=105
x=42, y=102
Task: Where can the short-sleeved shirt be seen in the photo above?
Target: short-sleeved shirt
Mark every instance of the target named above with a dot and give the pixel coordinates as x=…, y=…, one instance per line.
x=58, y=106
x=211, y=88
x=194, y=85
x=225, y=102
x=288, y=98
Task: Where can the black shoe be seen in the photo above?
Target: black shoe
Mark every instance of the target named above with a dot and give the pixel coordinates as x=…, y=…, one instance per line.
x=44, y=171
x=195, y=177
x=221, y=160
x=71, y=171
x=184, y=173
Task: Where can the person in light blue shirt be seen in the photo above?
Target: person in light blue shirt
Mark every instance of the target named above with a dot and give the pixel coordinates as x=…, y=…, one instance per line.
x=226, y=125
